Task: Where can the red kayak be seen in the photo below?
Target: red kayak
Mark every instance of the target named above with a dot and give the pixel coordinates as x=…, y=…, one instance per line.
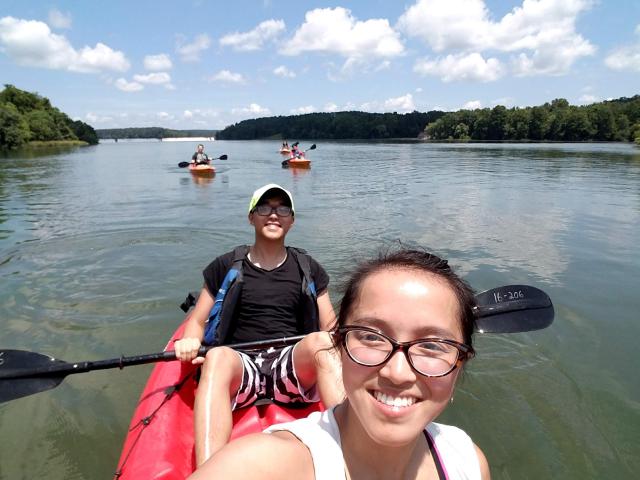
x=203, y=170
x=159, y=443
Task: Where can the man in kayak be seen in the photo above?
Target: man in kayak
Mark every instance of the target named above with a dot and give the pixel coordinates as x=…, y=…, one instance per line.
x=200, y=158
x=278, y=292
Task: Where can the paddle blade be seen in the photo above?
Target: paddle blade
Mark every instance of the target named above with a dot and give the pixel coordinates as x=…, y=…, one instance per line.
x=513, y=308
x=183, y=164
x=312, y=147
x=15, y=365
x=222, y=157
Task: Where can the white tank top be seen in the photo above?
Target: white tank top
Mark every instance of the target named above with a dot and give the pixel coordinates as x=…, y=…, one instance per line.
x=320, y=433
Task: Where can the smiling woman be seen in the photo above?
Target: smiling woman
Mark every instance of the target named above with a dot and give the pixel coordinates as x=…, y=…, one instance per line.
x=404, y=333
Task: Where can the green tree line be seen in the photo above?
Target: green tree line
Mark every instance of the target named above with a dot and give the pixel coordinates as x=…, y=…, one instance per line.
x=339, y=125
x=613, y=120
x=151, y=132
x=27, y=117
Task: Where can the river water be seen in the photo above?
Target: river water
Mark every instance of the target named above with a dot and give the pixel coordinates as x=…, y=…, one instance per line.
x=99, y=245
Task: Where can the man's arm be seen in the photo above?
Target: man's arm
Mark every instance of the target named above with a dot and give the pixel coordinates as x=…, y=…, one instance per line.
x=187, y=347
x=325, y=311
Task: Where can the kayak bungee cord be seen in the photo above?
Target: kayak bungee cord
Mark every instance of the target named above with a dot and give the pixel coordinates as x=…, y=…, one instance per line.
x=146, y=420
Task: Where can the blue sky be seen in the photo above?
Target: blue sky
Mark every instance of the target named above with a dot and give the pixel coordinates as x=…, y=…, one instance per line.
x=209, y=64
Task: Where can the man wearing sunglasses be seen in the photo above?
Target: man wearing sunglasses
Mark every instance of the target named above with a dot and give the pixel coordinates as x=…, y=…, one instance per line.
x=260, y=292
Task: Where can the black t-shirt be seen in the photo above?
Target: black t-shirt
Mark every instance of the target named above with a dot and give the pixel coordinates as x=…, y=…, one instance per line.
x=270, y=305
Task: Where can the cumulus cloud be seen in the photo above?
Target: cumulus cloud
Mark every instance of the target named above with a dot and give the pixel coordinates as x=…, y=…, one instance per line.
x=156, y=78
x=588, y=98
x=157, y=63
x=336, y=31
x=125, y=86
x=60, y=20
x=190, y=52
x=330, y=107
x=472, y=105
x=540, y=33
x=31, y=43
x=461, y=67
x=284, y=72
x=302, y=110
x=254, y=39
x=93, y=118
x=626, y=57
x=253, y=109
x=187, y=115
x=403, y=104
x=225, y=76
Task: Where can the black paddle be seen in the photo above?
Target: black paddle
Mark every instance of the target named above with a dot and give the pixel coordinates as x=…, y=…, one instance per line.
x=285, y=163
x=186, y=164
x=509, y=309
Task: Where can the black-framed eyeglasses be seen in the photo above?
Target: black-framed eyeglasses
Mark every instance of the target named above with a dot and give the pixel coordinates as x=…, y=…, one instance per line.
x=280, y=210
x=430, y=357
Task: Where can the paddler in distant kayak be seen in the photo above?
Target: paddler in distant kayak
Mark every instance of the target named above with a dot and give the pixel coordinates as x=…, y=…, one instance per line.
x=200, y=158
x=263, y=291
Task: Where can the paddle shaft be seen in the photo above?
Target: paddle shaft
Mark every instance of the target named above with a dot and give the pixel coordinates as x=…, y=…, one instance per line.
x=121, y=362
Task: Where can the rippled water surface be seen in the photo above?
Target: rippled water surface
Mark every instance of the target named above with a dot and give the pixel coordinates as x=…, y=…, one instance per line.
x=98, y=246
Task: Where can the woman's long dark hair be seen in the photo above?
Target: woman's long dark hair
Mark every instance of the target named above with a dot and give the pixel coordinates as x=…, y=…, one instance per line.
x=418, y=260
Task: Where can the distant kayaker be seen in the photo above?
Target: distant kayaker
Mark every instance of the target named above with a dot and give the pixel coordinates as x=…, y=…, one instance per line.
x=404, y=333
x=200, y=158
x=278, y=292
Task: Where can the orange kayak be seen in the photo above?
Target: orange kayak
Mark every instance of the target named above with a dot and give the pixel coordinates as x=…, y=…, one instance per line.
x=300, y=163
x=204, y=170
x=159, y=443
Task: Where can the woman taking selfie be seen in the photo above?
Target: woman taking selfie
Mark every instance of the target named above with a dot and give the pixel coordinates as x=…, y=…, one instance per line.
x=404, y=334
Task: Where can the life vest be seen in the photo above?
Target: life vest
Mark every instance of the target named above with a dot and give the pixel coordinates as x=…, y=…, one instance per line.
x=218, y=326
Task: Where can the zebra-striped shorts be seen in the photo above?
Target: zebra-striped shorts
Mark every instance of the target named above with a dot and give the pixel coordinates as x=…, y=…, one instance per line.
x=271, y=374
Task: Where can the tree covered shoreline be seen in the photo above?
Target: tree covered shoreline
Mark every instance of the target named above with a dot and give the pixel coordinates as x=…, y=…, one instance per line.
x=614, y=120
x=27, y=117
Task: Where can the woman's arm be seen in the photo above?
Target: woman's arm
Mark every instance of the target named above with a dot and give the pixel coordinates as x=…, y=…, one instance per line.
x=484, y=465
x=260, y=456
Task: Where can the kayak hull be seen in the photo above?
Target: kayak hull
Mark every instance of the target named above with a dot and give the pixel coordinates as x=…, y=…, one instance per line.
x=300, y=163
x=285, y=151
x=160, y=444
x=202, y=170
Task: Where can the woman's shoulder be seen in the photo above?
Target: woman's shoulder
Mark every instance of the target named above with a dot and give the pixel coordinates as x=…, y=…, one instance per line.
x=275, y=456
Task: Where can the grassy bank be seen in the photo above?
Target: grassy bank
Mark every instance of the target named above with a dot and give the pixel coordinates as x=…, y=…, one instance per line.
x=56, y=143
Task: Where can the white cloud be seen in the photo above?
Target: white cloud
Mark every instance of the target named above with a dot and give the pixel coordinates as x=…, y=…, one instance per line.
x=157, y=78
x=461, y=67
x=225, y=76
x=187, y=114
x=93, y=118
x=588, y=98
x=400, y=104
x=190, y=52
x=403, y=104
x=472, y=105
x=157, y=63
x=330, y=107
x=541, y=33
x=336, y=31
x=164, y=116
x=253, y=109
x=303, y=110
x=626, y=57
x=419, y=90
x=57, y=19
x=254, y=39
x=31, y=43
x=125, y=86
x=284, y=72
